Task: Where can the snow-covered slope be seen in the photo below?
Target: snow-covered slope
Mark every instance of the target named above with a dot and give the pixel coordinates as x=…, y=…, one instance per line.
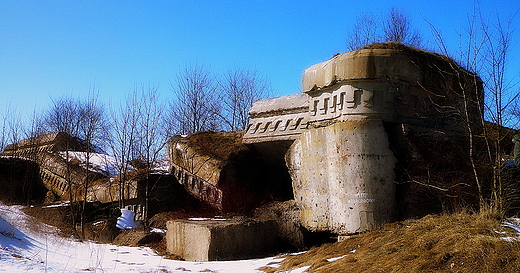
x=29, y=246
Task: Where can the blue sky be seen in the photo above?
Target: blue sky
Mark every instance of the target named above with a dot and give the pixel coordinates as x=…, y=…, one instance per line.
x=49, y=49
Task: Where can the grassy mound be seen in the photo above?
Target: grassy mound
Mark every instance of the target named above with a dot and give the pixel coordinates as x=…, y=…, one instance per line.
x=436, y=243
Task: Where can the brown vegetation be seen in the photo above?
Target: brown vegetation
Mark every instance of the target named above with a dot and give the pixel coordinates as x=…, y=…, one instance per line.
x=217, y=145
x=460, y=242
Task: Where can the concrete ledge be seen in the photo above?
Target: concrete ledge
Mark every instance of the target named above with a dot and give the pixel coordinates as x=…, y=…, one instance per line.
x=221, y=239
x=361, y=64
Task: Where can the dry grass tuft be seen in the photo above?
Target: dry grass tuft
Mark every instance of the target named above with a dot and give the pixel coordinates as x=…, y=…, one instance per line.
x=460, y=242
x=217, y=145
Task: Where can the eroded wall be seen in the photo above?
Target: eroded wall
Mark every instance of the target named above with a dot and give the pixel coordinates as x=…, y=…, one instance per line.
x=343, y=176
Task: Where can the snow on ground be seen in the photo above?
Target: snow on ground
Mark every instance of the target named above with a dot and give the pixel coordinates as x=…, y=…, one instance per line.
x=29, y=246
x=514, y=224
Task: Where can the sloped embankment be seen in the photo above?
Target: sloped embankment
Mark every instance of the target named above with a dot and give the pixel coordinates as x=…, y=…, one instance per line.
x=447, y=243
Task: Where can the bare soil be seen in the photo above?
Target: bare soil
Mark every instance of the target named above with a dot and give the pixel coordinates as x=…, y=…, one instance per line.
x=57, y=217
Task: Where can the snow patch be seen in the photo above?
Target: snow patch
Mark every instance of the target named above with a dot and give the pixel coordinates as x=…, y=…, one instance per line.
x=514, y=224
x=330, y=260
x=27, y=246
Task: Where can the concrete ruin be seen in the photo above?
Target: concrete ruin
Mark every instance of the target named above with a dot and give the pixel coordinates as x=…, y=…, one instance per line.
x=59, y=169
x=333, y=156
x=217, y=168
x=219, y=239
x=58, y=161
x=337, y=135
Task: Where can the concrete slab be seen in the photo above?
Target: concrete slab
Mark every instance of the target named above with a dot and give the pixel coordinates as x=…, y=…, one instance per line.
x=221, y=239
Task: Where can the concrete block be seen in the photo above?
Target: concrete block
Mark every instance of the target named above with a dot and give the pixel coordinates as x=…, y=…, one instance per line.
x=220, y=239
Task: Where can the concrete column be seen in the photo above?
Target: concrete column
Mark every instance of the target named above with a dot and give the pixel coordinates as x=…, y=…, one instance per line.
x=343, y=176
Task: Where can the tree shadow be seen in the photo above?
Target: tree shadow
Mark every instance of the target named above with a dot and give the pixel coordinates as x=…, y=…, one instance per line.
x=11, y=237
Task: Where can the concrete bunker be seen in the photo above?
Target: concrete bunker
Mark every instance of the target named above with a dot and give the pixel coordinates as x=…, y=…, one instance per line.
x=356, y=130
x=219, y=169
x=351, y=145
x=334, y=152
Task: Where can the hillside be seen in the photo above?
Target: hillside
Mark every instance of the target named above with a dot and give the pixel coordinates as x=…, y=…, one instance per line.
x=436, y=243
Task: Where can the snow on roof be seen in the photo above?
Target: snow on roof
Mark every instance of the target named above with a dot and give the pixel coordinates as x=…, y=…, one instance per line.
x=97, y=162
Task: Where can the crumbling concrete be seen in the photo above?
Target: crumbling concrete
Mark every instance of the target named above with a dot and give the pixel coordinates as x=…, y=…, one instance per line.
x=343, y=176
x=278, y=119
x=219, y=169
x=203, y=240
x=287, y=216
x=58, y=173
x=340, y=157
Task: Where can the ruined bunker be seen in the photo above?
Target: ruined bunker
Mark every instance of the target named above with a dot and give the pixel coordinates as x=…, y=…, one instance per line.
x=58, y=156
x=345, y=136
x=219, y=169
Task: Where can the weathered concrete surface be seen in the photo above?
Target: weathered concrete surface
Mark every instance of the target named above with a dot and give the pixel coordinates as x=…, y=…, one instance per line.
x=217, y=168
x=343, y=177
x=394, y=83
x=110, y=190
x=277, y=119
x=376, y=63
x=389, y=81
x=217, y=240
x=341, y=164
x=52, y=142
x=58, y=173
x=61, y=175
x=287, y=216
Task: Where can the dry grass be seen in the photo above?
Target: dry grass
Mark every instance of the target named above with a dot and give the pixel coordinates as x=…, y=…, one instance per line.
x=436, y=243
x=217, y=145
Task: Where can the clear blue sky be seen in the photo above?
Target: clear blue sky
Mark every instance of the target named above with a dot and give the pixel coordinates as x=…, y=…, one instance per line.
x=53, y=48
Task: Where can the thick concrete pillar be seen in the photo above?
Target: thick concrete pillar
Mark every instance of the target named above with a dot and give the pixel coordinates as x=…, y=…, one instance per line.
x=343, y=176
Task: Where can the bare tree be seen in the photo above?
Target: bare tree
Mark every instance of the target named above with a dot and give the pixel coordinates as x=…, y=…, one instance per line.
x=86, y=121
x=196, y=107
x=63, y=116
x=364, y=32
x=500, y=98
x=151, y=131
x=93, y=128
x=397, y=28
x=151, y=136
x=4, y=129
x=483, y=50
x=239, y=88
x=11, y=127
x=124, y=139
